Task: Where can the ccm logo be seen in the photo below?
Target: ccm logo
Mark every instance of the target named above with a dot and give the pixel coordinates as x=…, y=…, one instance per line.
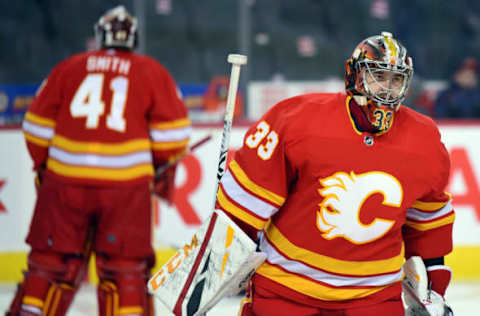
x=157, y=280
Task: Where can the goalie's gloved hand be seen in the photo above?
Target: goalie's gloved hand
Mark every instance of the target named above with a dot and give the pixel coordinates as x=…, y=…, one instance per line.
x=164, y=186
x=424, y=287
x=439, y=277
x=436, y=305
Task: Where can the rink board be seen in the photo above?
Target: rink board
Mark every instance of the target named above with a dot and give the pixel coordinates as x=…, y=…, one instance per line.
x=196, y=182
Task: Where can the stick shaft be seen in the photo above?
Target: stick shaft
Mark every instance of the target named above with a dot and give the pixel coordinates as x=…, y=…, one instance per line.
x=227, y=124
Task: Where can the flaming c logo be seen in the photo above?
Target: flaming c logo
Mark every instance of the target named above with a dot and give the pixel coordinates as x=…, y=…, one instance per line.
x=344, y=195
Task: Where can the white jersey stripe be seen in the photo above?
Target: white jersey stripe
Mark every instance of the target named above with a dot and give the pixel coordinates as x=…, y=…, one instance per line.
x=417, y=215
x=170, y=135
x=245, y=199
x=293, y=266
x=101, y=161
x=31, y=309
x=37, y=130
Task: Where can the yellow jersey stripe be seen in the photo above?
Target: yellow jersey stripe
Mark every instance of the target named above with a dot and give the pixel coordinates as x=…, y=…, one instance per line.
x=312, y=288
x=170, y=145
x=238, y=212
x=329, y=264
x=130, y=310
x=48, y=299
x=430, y=206
x=253, y=187
x=99, y=173
x=30, y=300
x=39, y=120
x=101, y=148
x=172, y=124
x=245, y=300
x=36, y=140
x=431, y=225
x=52, y=309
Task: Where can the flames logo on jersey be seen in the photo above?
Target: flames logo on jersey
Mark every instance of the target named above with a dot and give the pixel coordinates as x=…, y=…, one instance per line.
x=344, y=195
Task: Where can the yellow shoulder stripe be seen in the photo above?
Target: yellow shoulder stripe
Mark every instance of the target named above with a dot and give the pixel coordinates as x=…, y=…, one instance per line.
x=170, y=145
x=430, y=206
x=184, y=122
x=431, y=225
x=36, y=140
x=238, y=212
x=39, y=120
x=253, y=187
x=101, y=148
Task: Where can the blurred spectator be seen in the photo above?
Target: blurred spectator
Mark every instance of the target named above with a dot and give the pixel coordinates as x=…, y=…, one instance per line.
x=462, y=97
x=418, y=97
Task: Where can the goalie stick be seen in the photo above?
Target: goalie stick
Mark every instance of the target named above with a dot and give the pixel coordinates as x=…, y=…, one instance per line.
x=220, y=255
x=237, y=61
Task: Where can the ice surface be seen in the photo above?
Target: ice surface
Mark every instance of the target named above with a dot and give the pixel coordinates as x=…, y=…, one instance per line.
x=464, y=297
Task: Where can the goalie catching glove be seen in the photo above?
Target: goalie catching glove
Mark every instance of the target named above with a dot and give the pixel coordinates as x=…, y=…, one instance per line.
x=218, y=262
x=164, y=185
x=420, y=299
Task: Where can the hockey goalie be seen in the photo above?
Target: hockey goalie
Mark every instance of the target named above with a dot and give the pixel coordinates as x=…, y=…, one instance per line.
x=337, y=190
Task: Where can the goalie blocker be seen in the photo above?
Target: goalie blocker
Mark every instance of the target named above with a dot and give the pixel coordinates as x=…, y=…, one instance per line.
x=218, y=262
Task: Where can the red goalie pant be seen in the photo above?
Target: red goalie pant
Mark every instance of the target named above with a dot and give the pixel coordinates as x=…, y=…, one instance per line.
x=121, y=217
x=266, y=303
x=69, y=220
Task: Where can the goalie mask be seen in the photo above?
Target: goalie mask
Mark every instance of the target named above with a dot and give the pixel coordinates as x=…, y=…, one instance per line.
x=116, y=28
x=377, y=75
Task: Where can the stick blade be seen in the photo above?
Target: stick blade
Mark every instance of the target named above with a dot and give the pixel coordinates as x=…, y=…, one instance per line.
x=237, y=59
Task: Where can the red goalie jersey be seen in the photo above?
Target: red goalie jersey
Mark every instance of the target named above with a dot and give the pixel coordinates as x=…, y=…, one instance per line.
x=99, y=116
x=340, y=209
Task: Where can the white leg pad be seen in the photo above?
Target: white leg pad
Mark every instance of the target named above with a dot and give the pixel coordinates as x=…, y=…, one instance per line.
x=218, y=262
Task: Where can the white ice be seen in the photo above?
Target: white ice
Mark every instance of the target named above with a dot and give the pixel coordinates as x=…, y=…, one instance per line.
x=464, y=298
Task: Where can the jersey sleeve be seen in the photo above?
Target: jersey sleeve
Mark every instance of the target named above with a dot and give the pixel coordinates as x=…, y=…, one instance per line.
x=428, y=228
x=256, y=183
x=169, y=125
x=40, y=120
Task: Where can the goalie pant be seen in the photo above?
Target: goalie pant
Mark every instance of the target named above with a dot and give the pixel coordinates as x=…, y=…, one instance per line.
x=61, y=249
x=268, y=303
